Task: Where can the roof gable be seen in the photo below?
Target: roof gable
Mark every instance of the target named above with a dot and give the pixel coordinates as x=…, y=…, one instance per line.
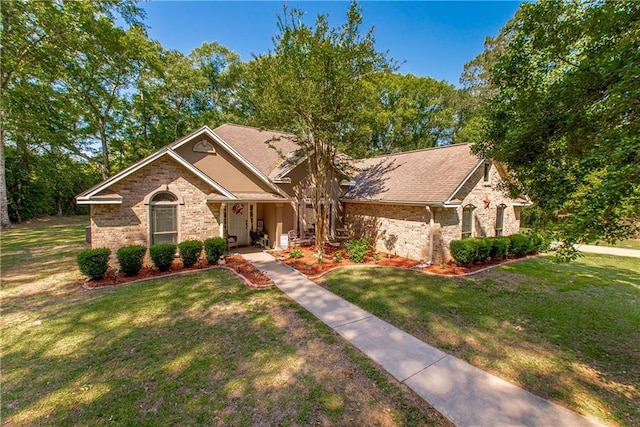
x=92, y=195
x=267, y=150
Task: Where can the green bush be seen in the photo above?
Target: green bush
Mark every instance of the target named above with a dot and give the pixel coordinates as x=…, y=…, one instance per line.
x=296, y=254
x=499, y=247
x=519, y=244
x=214, y=248
x=190, y=251
x=130, y=259
x=94, y=262
x=463, y=251
x=337, y=257
x=538, y=241
x=357, y=249
x=482, y=246
x=162, y=255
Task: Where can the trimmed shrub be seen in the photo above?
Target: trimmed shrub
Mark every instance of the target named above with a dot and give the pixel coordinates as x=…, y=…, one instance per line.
x=357, y=249
x=130, y=259
x=214, y=248
x=538, y=241
x=94, y=262
x=482, y=246
x=463, y=251
x=296, y=254
x=162, y=255
x=499, y=247
x=519, y=244
x=190, y=251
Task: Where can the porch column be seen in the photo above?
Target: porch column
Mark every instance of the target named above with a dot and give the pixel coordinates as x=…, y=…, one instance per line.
x=222, y=219
x=431, y=227
x=276, y=239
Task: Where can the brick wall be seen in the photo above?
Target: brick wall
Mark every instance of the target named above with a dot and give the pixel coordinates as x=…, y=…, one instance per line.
x=114, y=226
x=411, y=223
x=408, y=226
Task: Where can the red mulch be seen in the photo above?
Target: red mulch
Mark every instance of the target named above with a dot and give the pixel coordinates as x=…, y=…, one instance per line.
x=309, y=265
x=246, y=269
x=236, y=263
x=452, y=269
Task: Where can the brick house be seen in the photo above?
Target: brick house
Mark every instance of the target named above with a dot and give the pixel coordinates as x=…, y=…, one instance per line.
x=238, y=180
x=415, y=203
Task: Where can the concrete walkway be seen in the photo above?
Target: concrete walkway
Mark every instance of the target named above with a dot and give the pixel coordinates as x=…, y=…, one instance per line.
x=466, y=395
x=608, y=250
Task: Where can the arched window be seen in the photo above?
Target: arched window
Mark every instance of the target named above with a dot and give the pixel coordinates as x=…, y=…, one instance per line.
x=164, y=218
x=500, y=219
x=467, y=221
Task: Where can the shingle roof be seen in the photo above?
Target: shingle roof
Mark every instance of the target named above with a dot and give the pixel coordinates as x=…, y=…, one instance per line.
x=265, y=149
x=423, y=176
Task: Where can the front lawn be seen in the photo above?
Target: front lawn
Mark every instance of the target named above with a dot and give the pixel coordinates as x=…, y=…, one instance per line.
x=567, y=332
x=199, y=349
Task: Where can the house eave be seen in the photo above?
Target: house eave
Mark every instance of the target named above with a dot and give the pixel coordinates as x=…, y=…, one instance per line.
x=399, y=202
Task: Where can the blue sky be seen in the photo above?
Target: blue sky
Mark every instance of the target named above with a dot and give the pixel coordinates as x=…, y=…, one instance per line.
x=428, y=38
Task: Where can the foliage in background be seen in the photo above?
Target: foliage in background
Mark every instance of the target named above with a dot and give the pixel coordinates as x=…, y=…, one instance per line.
x=94, y=263
x=564, y=116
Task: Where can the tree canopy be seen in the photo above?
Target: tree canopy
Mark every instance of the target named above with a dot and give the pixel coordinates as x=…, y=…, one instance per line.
x=565, y=115
x=314, y=84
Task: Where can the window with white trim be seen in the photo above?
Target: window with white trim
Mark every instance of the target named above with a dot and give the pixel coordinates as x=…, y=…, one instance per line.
x=500, y=219
x=487, y=173
x=164, y=218
x=467, y=221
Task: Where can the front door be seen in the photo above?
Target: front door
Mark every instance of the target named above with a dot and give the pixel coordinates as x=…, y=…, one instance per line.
x=238, y=215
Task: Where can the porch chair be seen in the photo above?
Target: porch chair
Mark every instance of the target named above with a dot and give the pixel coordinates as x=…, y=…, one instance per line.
x=232, y=242
x=296, y=240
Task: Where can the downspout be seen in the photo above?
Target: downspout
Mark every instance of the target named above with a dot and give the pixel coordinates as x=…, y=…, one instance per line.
x=431, y=226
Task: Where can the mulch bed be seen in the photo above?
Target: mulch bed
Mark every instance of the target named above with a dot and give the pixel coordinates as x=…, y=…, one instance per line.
x=236, y=263
x=309, y=265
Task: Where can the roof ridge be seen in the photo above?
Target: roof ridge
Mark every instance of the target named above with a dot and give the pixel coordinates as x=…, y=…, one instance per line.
x=255, y=128
x=416, y=151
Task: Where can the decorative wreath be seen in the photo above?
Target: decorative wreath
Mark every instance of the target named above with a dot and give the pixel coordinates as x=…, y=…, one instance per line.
x=238, y=208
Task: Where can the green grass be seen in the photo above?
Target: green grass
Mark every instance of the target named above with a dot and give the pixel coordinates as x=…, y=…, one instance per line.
x=198, y=349
x=566, y=332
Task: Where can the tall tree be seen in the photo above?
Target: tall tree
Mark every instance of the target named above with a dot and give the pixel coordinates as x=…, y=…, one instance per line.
x=566, y=116
x=313, y=84
x=39, y=39
x=409, y=112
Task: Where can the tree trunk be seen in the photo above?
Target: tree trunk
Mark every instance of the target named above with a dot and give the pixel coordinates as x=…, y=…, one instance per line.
x=4, y=203
x=106, y=169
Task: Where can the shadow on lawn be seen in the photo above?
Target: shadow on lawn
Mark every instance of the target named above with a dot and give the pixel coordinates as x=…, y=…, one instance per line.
x=133, y=358
x=202, y=349
x=570, y=333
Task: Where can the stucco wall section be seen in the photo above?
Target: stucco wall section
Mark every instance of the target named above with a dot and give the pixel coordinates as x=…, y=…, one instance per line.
x=409, y=225
x=114, y=226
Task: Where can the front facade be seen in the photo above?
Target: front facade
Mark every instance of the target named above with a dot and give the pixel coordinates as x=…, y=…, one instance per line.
x=250, y=183
x=230, y=181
